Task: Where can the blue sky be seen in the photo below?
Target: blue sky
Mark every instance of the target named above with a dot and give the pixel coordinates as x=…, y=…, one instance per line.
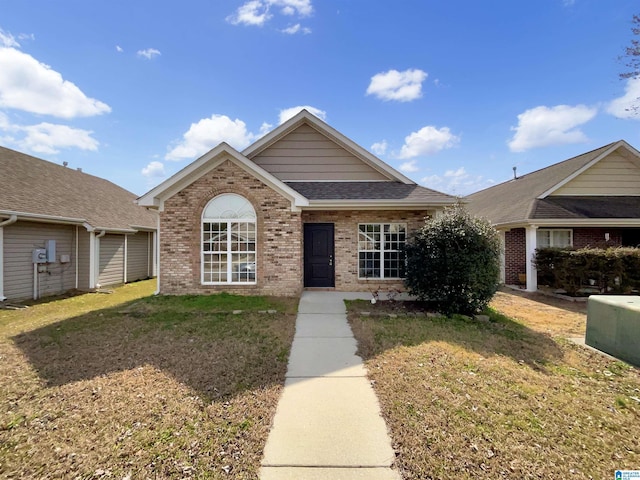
x=452, y=93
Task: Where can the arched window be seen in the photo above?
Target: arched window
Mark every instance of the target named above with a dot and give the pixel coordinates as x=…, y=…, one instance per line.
x=228, y=241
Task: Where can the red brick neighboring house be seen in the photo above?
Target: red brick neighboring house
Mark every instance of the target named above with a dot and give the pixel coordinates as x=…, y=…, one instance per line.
x=88, y=230
x=304, y=206
x=589, y=200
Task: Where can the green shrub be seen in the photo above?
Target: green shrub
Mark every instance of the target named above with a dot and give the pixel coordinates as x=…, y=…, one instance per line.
x=613, y=270
x=453, y=262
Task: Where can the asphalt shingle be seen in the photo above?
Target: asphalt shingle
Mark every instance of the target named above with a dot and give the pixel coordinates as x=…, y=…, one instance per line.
x=369, y=191
x=32, y=185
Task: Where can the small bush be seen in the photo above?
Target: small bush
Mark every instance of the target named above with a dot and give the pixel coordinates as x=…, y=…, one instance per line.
x=614, y=270
x=453, y=262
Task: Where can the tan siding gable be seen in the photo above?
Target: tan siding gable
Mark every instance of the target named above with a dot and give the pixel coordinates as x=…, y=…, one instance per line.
x=305, y=154
x=613, y=175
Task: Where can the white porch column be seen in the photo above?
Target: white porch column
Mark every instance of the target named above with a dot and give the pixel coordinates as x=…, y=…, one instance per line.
x=531, y=245
x=501, y=236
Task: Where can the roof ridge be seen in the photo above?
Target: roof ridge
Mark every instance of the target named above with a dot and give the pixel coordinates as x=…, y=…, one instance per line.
x=553, y=165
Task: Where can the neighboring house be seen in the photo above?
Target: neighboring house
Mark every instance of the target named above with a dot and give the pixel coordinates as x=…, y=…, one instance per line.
x=304, y=206
x=86, y=230
x=589, y=200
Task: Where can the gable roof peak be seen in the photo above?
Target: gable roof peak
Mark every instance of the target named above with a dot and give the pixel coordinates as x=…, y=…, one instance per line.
x=306, y=117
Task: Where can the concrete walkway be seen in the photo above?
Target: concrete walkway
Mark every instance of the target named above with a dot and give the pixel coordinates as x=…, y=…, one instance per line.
x=327, y=424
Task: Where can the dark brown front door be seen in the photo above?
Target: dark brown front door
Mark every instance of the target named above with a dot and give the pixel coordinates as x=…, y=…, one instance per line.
x=318, y=255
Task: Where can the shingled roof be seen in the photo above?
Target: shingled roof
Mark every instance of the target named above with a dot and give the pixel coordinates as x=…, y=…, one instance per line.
x=384, y=191
x=518, y=200
x=36, y=187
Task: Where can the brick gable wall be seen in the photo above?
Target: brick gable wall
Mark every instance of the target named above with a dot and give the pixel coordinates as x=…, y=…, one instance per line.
x=279, y=236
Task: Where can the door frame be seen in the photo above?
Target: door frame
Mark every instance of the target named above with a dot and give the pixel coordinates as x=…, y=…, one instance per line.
x=332, y=248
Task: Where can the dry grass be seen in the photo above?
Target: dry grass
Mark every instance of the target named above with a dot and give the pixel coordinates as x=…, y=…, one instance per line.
x=543, y=313
x=119, y=386
x=469, y=399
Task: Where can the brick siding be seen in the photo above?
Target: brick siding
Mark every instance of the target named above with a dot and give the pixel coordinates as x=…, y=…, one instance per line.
x=278, y=245
x=594, y=237
x=346, y=243
x=515, y=255
x=515, y=247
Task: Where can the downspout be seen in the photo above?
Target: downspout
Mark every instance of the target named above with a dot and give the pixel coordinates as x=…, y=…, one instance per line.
x=156, y=255
x=9, y=221
x=94, y=255
x=126, y=246
x=76, y=255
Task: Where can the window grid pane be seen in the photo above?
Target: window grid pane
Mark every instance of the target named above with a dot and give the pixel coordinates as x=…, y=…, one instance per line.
x=380, y=247
x=228, y=248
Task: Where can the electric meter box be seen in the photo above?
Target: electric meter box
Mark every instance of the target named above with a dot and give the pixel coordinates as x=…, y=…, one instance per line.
x=39, y=255
x=51, y=251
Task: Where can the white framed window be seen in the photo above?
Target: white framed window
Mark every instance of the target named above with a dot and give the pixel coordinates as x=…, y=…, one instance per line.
x=554, y=237
x=381, y=250
x=228, y=254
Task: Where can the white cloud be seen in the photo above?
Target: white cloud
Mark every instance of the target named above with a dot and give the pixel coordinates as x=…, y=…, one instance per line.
x=255, y=12
x=265, y=128
x=456, y=182
x=149, y=53
x=394, y=85
x=209, y=132
x=427, y=141
x=258, y=12
x=119, y=49
x=628, y=105
x=154, y=170
x=544, y=126
x=288, y=113
x=49, y=138
x=26, y=84
x=46, y=137
x=380, y=148
x=297, y=28
x=410, y=166
x=8, y=40
x=26, y=36
x=303, y=8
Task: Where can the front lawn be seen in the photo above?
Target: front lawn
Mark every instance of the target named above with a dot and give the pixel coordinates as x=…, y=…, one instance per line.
x=142, y=386
x=471, y=399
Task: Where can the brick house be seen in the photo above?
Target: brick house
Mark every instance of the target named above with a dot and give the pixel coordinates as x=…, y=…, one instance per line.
x=304, y=206
x=589, y=200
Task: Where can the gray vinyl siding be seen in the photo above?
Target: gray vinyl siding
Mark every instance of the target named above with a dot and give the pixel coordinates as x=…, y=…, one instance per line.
x=84, y=266
x=20, y=239
x=137, y=256
x=111, y=270
x=307, y=155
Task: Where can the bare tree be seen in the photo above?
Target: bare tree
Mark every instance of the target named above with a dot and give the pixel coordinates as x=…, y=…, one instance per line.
x=632, y=52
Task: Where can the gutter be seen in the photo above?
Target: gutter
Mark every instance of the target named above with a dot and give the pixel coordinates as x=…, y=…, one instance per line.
x=9, y=221
x=43, y=218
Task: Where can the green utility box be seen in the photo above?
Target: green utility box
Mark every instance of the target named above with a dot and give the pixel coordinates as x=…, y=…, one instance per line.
x=613, y=326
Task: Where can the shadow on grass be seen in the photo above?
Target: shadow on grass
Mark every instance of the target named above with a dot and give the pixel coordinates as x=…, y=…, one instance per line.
x=218, y=354
x=562, y=304
x=413, y=326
